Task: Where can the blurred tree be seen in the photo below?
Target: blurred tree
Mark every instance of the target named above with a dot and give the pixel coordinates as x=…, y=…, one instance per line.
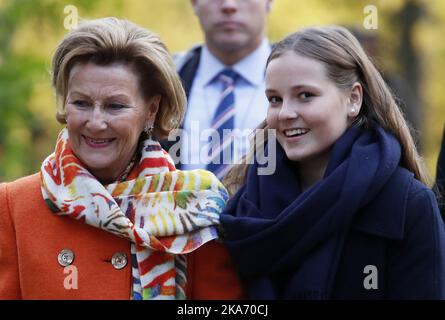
x=21, y=129
x=408, y=82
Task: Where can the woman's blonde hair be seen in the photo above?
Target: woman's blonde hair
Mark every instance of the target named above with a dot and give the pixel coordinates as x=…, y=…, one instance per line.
x=111, y=40
x=346, y=63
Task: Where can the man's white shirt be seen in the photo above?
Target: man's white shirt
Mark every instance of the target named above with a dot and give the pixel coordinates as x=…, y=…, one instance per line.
x=250, y=103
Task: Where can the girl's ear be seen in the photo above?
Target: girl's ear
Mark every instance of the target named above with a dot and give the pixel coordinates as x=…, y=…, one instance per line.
x=355, y=100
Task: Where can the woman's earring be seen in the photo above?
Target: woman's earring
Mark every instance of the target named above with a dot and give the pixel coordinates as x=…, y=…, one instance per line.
x=148, y=129
x=352, y=111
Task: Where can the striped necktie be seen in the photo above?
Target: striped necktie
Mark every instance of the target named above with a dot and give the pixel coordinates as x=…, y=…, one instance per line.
x=223, y=123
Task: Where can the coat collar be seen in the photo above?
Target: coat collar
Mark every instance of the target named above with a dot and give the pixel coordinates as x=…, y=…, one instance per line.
x=385, y=215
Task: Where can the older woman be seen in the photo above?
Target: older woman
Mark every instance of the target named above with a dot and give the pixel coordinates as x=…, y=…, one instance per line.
x=132, y=217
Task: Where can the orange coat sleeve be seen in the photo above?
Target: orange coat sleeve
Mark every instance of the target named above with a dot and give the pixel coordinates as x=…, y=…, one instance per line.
x=9, y=273
x=212, y=275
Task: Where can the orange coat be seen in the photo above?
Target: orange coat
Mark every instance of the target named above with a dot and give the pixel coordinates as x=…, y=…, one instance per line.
x=31, y=238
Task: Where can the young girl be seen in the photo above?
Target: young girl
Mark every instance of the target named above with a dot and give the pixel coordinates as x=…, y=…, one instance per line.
x=346, y=214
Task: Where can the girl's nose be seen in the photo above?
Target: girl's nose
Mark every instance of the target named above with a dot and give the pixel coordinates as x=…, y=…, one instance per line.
x=287, y=111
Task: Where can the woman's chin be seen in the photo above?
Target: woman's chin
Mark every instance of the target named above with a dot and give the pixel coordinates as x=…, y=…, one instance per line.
x=99, y=168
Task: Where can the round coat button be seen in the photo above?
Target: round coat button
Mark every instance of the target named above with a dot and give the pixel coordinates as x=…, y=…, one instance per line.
x=65, y=257
x=119, y=260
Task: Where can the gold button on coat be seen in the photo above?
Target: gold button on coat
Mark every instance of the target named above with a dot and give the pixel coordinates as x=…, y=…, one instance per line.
x=119, y=260
x=65, y=257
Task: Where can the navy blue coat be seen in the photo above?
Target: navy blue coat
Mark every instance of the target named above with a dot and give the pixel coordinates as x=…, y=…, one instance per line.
x=406, y=247
x=367, y=230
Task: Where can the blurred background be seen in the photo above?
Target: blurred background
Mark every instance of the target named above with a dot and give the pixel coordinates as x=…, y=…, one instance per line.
x=406, y=47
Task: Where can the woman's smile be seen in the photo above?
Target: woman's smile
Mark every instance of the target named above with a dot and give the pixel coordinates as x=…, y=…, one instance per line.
x=98, y=143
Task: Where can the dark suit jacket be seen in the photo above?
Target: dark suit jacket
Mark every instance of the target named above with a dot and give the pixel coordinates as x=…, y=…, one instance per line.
x=187, y=71
x=440, y=177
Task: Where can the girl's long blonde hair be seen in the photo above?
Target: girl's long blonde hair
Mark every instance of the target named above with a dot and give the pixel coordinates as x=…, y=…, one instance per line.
x=346, y=63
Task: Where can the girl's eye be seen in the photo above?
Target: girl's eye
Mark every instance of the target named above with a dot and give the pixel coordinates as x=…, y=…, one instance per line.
x=305, y=95
x=274, y=99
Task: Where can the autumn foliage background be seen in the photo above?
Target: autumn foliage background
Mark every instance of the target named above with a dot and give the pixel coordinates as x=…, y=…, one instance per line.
x=409, y=33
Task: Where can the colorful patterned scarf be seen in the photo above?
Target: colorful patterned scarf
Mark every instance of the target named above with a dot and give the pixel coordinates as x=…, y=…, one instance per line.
x=165, y=213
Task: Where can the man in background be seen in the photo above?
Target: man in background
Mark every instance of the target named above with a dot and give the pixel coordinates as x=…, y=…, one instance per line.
x=224, y=82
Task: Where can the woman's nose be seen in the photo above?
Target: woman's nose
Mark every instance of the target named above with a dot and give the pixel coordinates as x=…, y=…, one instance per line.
x=97, y=119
